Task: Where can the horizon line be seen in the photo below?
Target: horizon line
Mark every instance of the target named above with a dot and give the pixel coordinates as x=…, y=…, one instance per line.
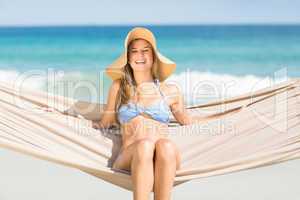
x=152, y=24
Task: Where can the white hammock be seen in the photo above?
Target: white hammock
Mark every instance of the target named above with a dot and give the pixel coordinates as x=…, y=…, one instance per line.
x=249, y=131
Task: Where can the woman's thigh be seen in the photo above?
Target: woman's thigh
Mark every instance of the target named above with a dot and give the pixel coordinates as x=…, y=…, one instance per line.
x=175, y=148
x=123, y=160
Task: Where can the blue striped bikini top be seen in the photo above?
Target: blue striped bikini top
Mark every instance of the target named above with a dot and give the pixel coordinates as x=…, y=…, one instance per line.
x=159, y=110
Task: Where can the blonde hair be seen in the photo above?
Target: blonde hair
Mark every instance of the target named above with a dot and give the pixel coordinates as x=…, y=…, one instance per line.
x=128, y=83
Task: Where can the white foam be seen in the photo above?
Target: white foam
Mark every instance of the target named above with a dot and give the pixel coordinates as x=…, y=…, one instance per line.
x=14, y=77
x=37, y=79
x=74, y=84
x=198, y=87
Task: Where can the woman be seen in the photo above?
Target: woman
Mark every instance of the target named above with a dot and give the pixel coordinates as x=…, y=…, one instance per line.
x=140, y=102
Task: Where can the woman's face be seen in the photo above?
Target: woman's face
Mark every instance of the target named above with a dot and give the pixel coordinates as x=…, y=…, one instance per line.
x=140, y=55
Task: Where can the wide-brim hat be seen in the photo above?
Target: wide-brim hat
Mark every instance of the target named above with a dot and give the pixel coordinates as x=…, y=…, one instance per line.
x=164, y=66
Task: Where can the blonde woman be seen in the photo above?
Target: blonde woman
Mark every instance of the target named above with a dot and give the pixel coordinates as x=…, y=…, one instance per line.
x=141, y=103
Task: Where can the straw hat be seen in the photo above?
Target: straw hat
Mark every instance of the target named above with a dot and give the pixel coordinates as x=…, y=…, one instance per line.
x=163, y=65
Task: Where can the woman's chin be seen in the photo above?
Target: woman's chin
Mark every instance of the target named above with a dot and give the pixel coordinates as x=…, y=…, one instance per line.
x=141, y=68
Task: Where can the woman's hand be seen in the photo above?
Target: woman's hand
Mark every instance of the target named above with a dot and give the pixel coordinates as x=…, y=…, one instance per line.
x=96, y=125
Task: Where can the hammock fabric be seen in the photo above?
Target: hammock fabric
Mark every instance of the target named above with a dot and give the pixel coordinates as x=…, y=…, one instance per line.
x=247, y=131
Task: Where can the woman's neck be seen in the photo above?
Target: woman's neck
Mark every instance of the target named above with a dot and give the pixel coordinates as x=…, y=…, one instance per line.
x=142, y=78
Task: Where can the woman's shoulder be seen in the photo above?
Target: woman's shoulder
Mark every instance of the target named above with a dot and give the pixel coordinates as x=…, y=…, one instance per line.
x=115, y=85
x=114, y=89
x=170, y=89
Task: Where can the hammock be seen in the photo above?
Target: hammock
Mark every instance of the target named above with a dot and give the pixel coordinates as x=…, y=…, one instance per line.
x=248, y=131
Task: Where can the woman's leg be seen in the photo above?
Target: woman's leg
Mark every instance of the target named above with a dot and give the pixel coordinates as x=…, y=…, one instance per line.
x=138, y=157
x=167, y=160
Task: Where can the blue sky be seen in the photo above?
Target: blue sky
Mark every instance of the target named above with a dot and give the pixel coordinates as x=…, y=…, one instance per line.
x=97, y=12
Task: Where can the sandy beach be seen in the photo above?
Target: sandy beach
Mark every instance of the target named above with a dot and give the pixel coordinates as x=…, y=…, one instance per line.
x=29, y=178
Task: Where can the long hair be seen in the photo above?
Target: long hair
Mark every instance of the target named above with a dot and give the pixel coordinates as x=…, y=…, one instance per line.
x=128, y=84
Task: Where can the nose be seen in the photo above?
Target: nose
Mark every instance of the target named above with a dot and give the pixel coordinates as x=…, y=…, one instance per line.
x=141, y=54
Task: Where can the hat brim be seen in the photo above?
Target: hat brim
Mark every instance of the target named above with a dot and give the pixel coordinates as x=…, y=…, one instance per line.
x=164, y=69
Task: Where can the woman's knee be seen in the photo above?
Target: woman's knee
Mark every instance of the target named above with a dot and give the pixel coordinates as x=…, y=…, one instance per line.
x=165, y=150
x=144, y=150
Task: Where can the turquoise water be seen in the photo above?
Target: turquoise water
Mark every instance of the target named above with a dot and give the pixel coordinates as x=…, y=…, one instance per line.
x=237, y=51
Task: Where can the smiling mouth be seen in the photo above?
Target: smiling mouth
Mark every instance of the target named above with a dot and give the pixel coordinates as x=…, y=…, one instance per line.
x=140, y=62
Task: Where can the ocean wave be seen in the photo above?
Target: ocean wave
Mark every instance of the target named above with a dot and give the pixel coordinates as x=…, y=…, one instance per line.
x=14, y=77
x=196, y=86
x=74, y=84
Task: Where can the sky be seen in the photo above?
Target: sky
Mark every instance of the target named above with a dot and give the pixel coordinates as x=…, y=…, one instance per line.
x=120, y=12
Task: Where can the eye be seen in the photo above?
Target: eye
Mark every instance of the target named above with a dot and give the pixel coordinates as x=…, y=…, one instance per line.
x=133, y=51
x=146, y=50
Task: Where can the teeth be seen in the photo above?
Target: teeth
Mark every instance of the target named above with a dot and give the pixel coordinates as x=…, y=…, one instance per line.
x=140, y=61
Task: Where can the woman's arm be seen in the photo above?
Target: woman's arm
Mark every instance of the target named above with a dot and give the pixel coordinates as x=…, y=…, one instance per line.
x=180, y=112
x=108, y=117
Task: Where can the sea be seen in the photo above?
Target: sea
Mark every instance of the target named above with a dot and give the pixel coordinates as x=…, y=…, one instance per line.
x=213, y=61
